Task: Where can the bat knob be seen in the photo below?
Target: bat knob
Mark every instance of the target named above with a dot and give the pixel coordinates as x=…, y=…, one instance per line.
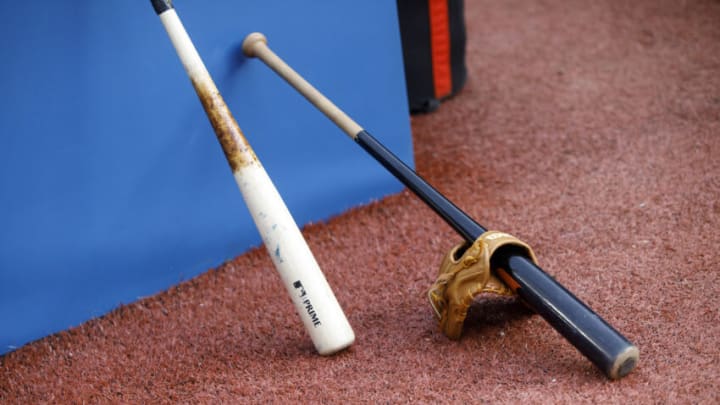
x=251, y=41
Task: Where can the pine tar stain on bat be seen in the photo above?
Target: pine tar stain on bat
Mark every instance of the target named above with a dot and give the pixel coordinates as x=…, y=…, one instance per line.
x=232, y=140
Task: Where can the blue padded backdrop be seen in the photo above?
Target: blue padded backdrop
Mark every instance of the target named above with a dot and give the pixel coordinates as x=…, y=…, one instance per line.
x=112, y=184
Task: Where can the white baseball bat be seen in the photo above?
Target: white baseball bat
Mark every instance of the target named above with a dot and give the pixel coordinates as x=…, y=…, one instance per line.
x=314, y=300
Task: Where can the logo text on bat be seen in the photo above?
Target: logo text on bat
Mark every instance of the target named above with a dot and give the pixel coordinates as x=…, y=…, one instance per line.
x=308, y=305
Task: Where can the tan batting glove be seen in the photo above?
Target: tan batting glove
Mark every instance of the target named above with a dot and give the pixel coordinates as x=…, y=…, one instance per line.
x=462, y=278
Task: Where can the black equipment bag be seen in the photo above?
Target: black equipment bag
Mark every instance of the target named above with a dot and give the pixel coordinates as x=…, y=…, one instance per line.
x=433, y=41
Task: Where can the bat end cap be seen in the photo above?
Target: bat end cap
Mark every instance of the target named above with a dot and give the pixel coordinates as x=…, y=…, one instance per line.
x=250, y=41
x=624, y=363
x=329, y=351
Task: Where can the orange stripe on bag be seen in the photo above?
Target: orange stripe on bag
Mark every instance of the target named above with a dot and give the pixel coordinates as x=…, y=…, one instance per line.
x=440, y=47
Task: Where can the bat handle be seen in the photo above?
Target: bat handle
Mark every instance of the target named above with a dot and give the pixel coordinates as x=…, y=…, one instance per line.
x=610, y=351
x=255, y=46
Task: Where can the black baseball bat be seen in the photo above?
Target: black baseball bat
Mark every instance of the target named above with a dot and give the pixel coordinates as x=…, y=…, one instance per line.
x=604, y=346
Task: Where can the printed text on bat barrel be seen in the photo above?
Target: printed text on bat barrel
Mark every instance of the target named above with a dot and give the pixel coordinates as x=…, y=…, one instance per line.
x=308, y=305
